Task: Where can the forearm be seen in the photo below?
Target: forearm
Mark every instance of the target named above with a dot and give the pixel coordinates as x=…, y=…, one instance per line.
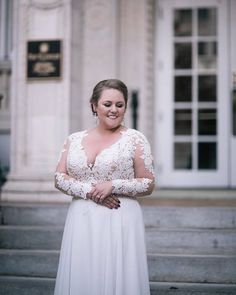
x=133, y=187
x=72, y=187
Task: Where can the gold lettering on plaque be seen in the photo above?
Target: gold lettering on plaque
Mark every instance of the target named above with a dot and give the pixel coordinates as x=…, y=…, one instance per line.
x=44, y=68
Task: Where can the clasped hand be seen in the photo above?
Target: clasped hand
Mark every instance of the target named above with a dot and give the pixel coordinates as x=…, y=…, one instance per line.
x=101, y=193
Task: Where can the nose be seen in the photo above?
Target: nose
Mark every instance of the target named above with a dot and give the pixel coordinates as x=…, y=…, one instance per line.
x=113, y=108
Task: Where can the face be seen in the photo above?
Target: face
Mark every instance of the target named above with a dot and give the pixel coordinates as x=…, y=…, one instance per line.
x=110, y=108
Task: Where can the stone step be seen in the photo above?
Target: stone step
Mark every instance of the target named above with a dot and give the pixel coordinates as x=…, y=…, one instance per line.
x=192, y=268
x=10, y=285
x=32, y=263
x=31, y=237
x=186, y=241
x=191, y=241
x=38, y=286
x=154, y=216
x=34, y=214
x=190, y=217
x=162, y=267
x=162, y=288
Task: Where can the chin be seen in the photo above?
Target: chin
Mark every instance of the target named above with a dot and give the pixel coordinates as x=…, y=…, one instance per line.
x=113, y=125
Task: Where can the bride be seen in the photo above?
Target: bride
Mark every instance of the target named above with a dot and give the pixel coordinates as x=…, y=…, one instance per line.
x=105, y=170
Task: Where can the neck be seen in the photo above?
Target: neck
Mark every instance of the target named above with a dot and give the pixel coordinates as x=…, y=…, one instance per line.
x=103, y=130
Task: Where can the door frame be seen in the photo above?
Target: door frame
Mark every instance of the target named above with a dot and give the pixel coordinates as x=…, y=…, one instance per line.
x=168, y=177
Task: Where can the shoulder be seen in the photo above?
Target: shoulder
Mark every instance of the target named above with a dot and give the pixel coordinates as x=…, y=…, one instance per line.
x=137, y=135
x=76, y=136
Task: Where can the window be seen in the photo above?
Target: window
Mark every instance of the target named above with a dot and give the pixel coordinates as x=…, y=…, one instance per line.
x=195, y=108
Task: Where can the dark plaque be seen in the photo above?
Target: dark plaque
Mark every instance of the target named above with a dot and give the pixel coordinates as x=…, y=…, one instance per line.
x=44, y=59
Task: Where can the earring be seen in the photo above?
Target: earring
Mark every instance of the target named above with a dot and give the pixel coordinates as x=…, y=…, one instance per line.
x=95, y=118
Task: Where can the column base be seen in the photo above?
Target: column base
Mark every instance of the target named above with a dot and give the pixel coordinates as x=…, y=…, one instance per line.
x=32, y=190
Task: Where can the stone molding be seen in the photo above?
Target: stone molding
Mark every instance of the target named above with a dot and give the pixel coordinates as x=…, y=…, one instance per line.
x=45, y=4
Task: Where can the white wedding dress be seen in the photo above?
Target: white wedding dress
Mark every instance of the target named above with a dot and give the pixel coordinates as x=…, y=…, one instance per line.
x=103, y=250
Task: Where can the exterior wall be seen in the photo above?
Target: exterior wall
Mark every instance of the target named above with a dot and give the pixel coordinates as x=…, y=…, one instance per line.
x=136, y=57
x=101, y=39
x=41, y=116
x=5, y=81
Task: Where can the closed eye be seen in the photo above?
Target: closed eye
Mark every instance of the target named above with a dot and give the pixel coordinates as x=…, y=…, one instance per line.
x=118, y=105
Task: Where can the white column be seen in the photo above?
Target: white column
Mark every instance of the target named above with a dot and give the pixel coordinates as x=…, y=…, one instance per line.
x=41, y=110
x=136, y=56
x=100, y=47
x=3, y=22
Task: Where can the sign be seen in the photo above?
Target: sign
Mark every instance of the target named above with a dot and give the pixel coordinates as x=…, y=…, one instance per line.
x=44, y=59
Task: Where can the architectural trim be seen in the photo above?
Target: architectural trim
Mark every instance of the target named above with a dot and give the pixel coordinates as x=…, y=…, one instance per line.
x=46, y=5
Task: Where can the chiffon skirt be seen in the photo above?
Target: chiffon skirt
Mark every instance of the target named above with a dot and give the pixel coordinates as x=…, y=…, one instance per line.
x=103, y=251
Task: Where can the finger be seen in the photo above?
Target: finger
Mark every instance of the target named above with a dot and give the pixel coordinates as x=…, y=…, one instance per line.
x=114, y=200
x=108, y=206
x=92, y=190
x=95, y=195
x=98, y=198
x=111, y=203
x=95, y=198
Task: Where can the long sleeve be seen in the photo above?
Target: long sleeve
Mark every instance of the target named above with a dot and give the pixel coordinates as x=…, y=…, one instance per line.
x=66, y=183
x=144, y=179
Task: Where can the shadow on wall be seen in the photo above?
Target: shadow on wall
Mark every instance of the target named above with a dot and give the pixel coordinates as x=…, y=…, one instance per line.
x=4, y=157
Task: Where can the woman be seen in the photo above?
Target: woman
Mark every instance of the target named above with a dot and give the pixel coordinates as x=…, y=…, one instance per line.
x=105, y=168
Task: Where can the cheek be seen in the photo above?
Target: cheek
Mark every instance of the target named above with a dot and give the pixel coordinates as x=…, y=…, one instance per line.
x=122, y=111
x=103, y=109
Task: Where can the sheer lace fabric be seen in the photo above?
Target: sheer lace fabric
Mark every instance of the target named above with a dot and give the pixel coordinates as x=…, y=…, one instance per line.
x=115, y=163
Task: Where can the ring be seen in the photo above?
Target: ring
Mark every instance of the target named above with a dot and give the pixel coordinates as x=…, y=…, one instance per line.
x=99, y=200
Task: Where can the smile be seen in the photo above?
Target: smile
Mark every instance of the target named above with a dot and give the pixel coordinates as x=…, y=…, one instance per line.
x=113, y=117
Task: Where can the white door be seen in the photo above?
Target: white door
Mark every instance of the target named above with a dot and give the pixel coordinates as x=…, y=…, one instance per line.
x=233, y=91
x=192, y=93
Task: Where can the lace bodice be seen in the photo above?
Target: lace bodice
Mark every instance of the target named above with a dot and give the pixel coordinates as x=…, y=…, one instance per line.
x=128, y=163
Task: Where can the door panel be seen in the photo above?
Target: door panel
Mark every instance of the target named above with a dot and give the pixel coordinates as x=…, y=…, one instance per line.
x=192, y=96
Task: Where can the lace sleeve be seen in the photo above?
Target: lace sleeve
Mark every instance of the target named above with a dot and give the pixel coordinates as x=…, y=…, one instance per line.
x=66, y=183
x=144, y=180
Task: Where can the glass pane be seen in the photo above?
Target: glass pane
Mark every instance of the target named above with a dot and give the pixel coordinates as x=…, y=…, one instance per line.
x=183, y=55
x=207, y=55
x=207, y=155
x=183, y=155
x=183, y=22
x=183, y=122
x=183, y=88
x=207, y=22
x=207, y=122
x=207, y=88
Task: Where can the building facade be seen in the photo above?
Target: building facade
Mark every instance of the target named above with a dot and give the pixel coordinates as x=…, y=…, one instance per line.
x=176, y=57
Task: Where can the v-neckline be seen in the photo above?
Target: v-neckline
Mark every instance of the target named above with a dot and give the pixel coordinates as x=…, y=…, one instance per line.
x=91, y=164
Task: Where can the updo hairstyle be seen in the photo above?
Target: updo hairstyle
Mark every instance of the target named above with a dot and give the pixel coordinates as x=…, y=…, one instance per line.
x=108, y=84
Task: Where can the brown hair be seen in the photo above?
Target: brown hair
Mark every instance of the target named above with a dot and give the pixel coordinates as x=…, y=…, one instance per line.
x=108, y=84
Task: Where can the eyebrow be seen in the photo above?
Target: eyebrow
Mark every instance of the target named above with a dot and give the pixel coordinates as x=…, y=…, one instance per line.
x=120, y=101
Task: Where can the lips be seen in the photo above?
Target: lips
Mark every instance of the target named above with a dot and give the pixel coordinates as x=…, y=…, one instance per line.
x=113, y=117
